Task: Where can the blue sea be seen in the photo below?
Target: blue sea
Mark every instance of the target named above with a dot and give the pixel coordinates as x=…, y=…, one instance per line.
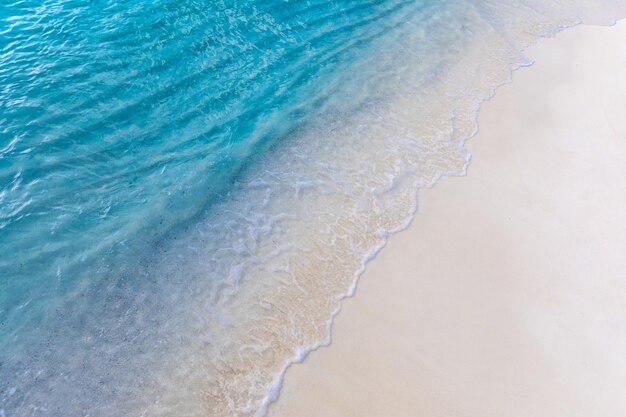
x=188, y=188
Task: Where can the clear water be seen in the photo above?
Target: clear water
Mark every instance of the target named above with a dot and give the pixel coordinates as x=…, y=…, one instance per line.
x=188, y=188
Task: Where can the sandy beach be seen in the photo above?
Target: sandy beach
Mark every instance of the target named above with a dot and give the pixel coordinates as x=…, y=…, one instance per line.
x=507, y=294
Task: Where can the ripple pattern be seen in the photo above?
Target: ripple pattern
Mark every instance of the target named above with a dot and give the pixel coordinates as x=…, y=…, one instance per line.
x=188, y=188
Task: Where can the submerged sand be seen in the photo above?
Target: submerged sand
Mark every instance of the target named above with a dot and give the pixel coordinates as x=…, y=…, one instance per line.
x=507, y=295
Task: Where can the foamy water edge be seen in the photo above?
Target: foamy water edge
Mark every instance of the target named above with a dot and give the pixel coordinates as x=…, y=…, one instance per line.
x=303, y=352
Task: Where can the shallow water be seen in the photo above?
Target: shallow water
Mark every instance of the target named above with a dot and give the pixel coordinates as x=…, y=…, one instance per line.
x=188, y=188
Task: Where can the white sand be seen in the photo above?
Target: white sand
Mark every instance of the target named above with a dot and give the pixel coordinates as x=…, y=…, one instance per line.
x=507, y=295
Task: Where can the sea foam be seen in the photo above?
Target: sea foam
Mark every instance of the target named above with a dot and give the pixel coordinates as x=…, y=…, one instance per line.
x=188, y=195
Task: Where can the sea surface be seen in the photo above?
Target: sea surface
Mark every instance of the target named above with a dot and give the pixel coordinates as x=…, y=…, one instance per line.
x=188, y=188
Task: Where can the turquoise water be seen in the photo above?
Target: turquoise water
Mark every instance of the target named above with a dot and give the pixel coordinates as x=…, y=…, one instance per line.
x=187, y=188
x=121, y=120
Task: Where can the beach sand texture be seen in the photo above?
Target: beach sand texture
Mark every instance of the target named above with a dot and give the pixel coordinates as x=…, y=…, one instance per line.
x=507, y=295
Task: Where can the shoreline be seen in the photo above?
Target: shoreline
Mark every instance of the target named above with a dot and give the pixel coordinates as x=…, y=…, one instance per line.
x=305, y=386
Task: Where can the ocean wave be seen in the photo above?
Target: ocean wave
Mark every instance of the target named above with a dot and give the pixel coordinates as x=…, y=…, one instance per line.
x=190, y=189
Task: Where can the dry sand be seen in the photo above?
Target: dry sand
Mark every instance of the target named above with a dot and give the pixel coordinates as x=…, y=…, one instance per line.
x=507, y=295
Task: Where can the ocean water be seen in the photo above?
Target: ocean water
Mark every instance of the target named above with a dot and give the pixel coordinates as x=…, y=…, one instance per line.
x=189, y=188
